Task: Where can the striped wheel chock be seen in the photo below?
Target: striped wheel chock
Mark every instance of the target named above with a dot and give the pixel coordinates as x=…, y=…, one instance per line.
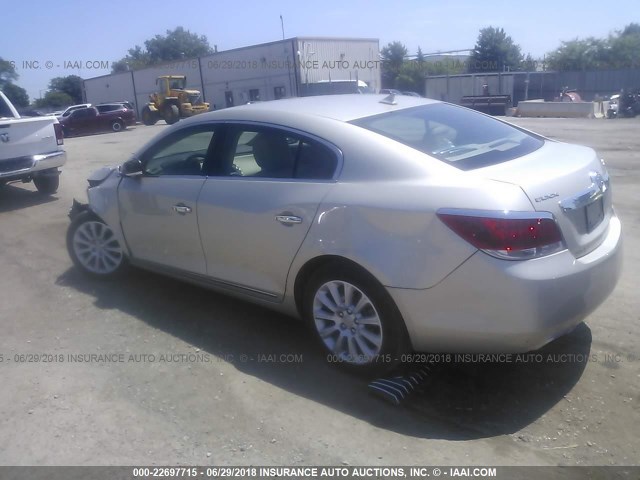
x=396, y=389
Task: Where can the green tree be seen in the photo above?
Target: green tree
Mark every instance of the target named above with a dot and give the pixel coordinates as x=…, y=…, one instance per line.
x=393, y=56
x=495, y=51
x=586, y=54
x=624, y=48
x=54, y=99
x=411, y=77
x=177, y=44
x=631, y=29
x=71, y=85
x=445, y=66
x=412, y=73
x=620, y=49
x=17, y=95
x=529, y=64
x=7, y=72
x=136, y=58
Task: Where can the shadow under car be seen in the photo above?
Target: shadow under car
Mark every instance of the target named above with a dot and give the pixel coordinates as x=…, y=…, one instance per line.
x=460, y=401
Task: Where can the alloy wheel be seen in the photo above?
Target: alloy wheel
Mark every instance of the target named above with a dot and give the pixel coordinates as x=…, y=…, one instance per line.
x=347, y=322
x=96, y=248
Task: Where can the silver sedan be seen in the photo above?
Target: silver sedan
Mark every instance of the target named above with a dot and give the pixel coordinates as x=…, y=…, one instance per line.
x=388, y=223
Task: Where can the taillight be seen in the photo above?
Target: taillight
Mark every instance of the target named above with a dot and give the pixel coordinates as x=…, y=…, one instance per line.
x=59, y=135
x=508, y=235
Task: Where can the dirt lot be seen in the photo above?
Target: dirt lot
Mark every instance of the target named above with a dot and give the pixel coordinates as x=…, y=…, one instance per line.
x=223, y=393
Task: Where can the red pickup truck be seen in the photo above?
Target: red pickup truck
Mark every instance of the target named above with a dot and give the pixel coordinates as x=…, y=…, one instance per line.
x=88, y=120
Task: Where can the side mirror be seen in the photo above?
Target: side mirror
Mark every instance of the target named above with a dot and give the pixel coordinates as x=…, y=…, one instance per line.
x=131, y=167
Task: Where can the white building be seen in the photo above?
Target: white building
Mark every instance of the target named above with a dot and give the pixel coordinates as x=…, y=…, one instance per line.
x=267, y=71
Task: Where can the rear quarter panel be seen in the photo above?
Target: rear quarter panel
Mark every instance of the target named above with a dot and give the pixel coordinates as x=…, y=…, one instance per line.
x=391, y=228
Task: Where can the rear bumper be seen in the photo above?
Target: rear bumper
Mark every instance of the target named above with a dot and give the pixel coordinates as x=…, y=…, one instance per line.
x=23, y=166
x=489, y=305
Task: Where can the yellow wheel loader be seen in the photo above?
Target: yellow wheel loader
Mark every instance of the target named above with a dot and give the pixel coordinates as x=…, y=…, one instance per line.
x=172, y=101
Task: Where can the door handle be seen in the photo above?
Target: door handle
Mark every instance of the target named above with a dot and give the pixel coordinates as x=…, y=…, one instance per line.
x=182, y=209
x=288, y=219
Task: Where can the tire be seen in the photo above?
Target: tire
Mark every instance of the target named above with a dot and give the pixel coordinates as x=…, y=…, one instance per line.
x=117, y=126
x=47, y=184
x=93, y=247
x=371, y=348
x=148, y=116
x=171, y=114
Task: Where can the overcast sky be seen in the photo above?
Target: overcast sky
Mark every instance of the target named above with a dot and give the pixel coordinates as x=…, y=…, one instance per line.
x=86, y=31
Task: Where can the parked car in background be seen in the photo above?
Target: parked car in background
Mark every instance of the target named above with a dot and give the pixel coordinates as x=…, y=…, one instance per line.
x=106, y=107
x=30, y=149
x=387, y=91
x=387, y=226
x=29, y=112
x=412, y=94
x=129, y=105
x=65, y=113
x=83, y=121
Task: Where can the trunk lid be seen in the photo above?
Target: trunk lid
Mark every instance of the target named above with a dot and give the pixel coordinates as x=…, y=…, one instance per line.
x=569, y=181
x=24, y=137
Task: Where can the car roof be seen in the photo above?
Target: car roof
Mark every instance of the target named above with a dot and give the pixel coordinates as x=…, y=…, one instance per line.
x=343, y=108
x=77, y=107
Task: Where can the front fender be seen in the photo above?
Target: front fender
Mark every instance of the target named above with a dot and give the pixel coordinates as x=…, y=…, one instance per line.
x=103, y=202
x=77, y=208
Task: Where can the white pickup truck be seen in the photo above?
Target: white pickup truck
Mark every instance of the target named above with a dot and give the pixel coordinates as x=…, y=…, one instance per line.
x=30, y=149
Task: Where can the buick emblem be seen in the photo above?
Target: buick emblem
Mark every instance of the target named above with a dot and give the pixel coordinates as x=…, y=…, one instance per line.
x=4, y=137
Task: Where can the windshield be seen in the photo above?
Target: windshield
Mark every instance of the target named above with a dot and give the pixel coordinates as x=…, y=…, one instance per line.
x=461, y=137
x=178, y=83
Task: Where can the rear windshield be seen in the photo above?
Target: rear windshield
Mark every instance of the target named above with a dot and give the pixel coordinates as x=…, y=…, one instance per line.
x=458, y=136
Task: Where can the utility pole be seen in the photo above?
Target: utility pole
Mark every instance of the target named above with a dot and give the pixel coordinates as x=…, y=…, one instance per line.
x=282, y=26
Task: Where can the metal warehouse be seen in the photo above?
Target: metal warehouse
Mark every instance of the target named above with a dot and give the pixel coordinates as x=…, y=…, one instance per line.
x=269, y=71
x=531, y=85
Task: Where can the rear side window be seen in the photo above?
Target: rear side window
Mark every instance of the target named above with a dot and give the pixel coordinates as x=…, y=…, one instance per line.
x=108, y=108
x=458, y=136
x=271, y=153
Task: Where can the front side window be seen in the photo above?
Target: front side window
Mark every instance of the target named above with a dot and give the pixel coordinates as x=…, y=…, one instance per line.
x=183, y=153
x=82, y=113
x=458, y=136
x=272, y=153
